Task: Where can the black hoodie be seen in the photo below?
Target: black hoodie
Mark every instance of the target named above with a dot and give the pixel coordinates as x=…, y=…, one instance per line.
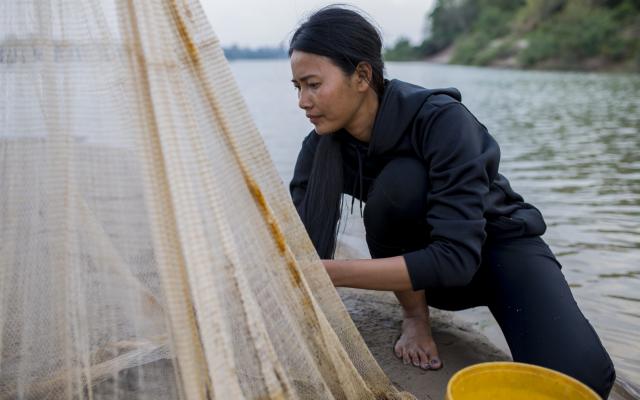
x=468, y=198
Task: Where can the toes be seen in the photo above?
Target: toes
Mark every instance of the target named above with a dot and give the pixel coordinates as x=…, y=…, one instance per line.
x=424, y=356
x=406, y=359
x=415, y=359
x=435, y=363
x=397, y=350
x=434, y=359
x=424, y=360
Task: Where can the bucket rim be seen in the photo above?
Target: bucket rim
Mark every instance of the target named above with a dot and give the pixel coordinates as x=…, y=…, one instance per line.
x=514, y=366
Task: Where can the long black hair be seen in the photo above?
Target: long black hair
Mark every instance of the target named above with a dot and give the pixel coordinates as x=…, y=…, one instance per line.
x=347, y=39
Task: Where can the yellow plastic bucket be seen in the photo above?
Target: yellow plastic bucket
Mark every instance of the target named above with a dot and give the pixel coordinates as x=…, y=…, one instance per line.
x=513, y=381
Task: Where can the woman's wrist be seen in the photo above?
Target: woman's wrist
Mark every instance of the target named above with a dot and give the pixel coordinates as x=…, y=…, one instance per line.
x=332, y=270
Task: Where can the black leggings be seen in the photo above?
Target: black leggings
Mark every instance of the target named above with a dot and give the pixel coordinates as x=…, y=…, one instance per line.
x=519, y=280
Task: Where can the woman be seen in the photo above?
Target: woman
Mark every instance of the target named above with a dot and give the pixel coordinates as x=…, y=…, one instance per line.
x=442, y=225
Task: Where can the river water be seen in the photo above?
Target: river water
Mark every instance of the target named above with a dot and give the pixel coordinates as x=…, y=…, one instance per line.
x=570, y=145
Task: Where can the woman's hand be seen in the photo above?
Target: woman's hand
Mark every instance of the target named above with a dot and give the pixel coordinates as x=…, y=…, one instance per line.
x=377, y=274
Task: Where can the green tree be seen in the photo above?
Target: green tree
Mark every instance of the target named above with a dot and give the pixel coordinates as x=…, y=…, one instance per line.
x=448, y=20
x=402, y=51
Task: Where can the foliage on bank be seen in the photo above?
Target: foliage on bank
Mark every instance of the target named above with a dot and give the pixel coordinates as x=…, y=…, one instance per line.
x=559, y=34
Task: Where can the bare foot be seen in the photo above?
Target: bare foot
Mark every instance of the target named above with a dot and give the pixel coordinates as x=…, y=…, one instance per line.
x=416, y=345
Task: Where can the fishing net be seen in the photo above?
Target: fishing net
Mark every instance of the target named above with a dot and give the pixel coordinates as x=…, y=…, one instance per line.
x=148, y=248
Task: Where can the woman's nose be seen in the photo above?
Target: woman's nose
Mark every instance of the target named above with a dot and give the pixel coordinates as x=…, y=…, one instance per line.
x=303, y=100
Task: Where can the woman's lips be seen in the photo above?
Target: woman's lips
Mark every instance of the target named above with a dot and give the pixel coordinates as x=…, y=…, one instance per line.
x=313, y=118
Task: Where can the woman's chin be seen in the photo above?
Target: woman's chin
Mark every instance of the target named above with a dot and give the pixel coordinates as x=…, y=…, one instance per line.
x=324, y=130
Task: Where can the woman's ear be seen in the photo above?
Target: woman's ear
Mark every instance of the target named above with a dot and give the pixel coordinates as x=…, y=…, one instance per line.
x=364, y=75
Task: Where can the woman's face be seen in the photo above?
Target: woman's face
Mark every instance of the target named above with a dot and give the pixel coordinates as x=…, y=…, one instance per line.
x=330, y=99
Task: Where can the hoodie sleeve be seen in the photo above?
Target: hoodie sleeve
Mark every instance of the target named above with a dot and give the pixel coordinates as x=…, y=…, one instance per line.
x=461, y=157
x=302, y=170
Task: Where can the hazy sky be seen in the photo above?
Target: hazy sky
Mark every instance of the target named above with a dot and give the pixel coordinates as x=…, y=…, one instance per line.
x=268, y=22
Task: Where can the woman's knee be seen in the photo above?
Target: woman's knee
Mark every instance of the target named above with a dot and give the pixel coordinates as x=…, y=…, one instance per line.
x=395, y=213
x=398, y=195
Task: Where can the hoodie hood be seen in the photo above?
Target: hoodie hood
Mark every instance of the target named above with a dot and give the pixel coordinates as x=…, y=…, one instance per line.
x=399, y=105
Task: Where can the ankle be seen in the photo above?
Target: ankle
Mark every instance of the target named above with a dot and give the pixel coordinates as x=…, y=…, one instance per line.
x=415, y=314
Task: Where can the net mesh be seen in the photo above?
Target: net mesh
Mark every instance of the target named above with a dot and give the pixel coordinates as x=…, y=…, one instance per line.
x=148, y=248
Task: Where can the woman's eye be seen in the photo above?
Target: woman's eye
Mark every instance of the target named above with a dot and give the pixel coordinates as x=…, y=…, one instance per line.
x=314, y=85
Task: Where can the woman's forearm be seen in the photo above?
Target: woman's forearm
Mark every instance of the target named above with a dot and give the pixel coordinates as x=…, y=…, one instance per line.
x=375, y=274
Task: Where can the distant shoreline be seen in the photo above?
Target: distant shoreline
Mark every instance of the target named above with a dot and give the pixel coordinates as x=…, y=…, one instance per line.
x=261, y=53
x=496, y=66
x=443, y=57
x=595, y=64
